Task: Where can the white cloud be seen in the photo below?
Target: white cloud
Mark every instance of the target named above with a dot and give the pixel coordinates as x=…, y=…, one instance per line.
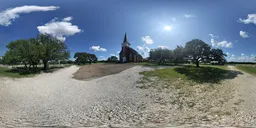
x=98, y=49
x=9, y=15
x=116, y=55
x=102, y=58
x=147, y=40
x=163, y=47
x=227, y=53
x=251, y=18
x=223, y=43
x=243, y=34
x=68, y=19
x=174, y=19
x=144, y=50
x=188, y=15
x=213, y=36
x=242, y=58
x=59, y=29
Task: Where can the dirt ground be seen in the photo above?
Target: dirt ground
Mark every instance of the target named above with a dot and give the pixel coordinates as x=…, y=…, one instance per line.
x=89, y=72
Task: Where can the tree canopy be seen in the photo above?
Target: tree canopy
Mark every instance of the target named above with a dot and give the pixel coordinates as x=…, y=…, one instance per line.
x=197, y=50
x=83, y=58
x=51, y=49
x=218, y=55
x=30, y=52
x=112, y=59
x=160, y=55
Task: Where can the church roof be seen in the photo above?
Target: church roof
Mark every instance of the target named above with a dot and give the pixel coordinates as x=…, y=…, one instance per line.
x=125, y=38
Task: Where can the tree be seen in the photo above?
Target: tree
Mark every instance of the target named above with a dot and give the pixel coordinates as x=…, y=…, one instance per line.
x=83, y=58
x=197, y=50
x=22, y=52
x=1, y=60
x=160, y=55
x=218, y=55
x=51, y=49
x=178, y=54
x=112, y=59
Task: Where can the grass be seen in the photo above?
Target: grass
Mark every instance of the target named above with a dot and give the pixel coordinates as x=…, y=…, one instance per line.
x=247, y=68
x=156, y=64
x=166, y=73
x=14, y=73
x=203, y=74
x=20, y=72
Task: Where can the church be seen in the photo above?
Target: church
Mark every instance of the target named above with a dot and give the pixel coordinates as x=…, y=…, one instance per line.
x=127, y=54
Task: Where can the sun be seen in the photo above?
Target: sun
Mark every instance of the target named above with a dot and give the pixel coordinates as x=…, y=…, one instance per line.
x=167, y=27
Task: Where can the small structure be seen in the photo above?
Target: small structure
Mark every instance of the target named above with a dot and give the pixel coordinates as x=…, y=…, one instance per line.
x=127, y=54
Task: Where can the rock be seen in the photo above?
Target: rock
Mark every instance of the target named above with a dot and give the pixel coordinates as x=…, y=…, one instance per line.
x=191, y=104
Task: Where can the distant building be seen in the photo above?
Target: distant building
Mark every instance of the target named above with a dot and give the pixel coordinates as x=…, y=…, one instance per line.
x=127, y=54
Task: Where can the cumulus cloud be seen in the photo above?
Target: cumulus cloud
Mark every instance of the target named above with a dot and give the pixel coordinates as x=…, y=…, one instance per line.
x=243, y=34
x=68, y=19
x=9, y=15
x=102, y=58
x=188, y=15
x=224, y=43
x=213, y=36
x=163, y=47
x=147, y=40
x=242, y=58
x=251, y=18
x=98, y=49
x=116, y=55
x=143, y=50
x=59, y=29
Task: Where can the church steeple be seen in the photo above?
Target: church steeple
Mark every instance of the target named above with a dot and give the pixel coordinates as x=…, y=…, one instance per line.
x=125, y=38
x=125, y=43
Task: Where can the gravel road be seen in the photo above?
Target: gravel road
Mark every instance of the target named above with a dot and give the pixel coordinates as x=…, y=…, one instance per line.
x=57, y=99
x=246, y=95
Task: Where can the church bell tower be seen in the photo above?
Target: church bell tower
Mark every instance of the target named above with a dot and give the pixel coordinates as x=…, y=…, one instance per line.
x=125, y=42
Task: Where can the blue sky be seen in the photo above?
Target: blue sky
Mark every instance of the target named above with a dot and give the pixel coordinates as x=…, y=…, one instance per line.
x=98, y=26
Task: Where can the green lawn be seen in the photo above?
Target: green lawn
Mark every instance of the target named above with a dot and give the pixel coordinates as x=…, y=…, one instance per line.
x=155, y=64
x=6, y=72
x=247, y=68
x=203, y=74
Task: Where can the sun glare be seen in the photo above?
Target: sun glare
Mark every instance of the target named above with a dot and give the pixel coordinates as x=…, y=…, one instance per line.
x=167, y=28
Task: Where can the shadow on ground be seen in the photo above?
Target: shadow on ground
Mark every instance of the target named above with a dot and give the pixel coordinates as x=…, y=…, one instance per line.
x=24, y=72
x=206, y=74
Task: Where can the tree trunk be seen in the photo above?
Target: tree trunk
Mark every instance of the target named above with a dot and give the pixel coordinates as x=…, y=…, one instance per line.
x=197, y=63
x=46, y=66
x=26, y=67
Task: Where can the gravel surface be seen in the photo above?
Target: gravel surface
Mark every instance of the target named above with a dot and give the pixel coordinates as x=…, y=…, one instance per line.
x=246, y=98
x=59, y=100
x=121, y=100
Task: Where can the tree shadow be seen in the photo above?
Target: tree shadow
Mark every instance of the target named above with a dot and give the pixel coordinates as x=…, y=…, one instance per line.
x=206, y=74
x=25, y=72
